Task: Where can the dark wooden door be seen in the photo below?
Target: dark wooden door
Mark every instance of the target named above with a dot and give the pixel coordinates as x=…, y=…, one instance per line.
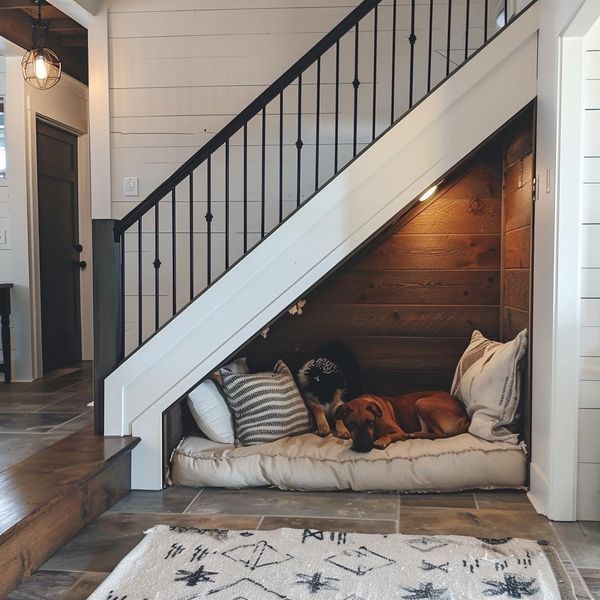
x=59, y=246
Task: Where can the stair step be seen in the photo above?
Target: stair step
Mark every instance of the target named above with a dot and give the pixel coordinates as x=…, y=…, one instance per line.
x=47, y=498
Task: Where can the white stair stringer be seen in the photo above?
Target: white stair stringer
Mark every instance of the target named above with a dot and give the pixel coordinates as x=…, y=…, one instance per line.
x=476, y=101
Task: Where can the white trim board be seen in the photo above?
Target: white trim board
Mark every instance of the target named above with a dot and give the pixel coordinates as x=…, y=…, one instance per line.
x=486, y=93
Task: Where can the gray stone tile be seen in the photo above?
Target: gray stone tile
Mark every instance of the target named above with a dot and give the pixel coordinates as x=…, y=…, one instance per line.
x=582, y=542
x=72, y=403
x=75, y=423
x=347, y=525
x=170, y=500
x=592, y=580
x=478, y=523
x=503, y=500
x=45, y=585
x=85, y=586
x=266, y=501
x=26, y=403
x=101, y=546
x=32, y=423
x=456, y=500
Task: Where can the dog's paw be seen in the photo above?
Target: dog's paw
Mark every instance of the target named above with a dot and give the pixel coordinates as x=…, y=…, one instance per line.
x=383, y=442
x=343, y=435
x=323, y=431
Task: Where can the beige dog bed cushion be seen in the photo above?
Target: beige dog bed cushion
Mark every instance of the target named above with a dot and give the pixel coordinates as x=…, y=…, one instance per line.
x=307, y=462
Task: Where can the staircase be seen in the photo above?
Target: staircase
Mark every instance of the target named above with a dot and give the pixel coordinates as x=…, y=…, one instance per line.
x=284, y=193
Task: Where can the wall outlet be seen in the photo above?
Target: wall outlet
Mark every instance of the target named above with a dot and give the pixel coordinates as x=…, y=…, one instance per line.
x=130, y=186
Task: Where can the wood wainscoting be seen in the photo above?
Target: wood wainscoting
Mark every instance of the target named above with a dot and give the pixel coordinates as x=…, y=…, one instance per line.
x=409, y=301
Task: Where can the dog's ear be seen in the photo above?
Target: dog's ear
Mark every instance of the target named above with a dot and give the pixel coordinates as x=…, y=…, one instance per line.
x=375, y=409
x=342, y=412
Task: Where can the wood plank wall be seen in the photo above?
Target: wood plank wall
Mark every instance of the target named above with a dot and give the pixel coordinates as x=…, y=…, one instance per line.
x=408, y=302
x=516, y=229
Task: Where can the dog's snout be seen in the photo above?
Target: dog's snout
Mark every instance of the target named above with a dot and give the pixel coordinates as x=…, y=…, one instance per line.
x=363, y=441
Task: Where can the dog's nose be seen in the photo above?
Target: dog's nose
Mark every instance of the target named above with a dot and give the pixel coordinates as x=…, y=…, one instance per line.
x=362, y=448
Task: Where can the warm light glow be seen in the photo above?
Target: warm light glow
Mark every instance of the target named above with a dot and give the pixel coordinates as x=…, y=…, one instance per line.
x=430, y=192
x=41, y=72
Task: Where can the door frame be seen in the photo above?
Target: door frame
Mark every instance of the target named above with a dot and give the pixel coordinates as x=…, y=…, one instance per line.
x=85, y=227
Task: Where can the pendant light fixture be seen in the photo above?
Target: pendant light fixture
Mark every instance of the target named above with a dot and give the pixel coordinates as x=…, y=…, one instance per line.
x=41, y=67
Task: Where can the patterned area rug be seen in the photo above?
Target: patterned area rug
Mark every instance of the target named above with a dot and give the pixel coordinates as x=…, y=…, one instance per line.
x=185, y=564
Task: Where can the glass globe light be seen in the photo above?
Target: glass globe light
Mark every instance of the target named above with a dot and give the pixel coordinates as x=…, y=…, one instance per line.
x=41, y=68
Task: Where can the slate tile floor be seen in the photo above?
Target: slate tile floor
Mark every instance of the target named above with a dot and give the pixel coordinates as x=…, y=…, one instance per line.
x=82, y=564
x=36, y=415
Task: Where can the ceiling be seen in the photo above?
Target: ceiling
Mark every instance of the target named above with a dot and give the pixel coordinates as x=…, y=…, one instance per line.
x=67, y=38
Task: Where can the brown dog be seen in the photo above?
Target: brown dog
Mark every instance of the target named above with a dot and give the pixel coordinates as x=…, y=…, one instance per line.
x=376, y=422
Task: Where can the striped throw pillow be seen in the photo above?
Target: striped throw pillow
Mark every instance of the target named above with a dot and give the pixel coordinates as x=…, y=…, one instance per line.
x=266, y=406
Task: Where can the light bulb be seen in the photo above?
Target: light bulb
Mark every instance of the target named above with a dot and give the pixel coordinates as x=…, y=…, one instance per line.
x=430, y=192
x=41, y=71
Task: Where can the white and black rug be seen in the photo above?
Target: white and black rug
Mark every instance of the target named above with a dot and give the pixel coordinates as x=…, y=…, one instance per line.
x=293, y=564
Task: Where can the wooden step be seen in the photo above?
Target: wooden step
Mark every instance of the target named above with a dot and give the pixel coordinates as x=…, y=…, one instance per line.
x=47, y=498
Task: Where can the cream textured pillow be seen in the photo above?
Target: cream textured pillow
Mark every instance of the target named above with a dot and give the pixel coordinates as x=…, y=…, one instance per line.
x=211, y=413
x=488, y=382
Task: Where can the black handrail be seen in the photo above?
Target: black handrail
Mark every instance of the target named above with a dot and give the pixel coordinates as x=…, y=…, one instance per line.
x=272, y=92
x=347, y=126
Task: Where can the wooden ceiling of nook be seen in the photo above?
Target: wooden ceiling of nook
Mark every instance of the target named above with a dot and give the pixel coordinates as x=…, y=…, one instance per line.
x=67, y=38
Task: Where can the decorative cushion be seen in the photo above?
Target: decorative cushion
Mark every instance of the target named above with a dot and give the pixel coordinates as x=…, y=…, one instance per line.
x=488, y=382
x=307, y=462
x=211, y=413
x=237, y=366
x=266, y=406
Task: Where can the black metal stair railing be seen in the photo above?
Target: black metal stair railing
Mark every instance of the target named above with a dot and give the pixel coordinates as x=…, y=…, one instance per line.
x=347, y=90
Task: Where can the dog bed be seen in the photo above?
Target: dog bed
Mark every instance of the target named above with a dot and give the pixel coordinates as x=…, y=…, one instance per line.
x=307, y=462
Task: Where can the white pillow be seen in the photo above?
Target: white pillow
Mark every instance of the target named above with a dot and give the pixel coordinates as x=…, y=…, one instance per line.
x=211, y=413
x=488, y=382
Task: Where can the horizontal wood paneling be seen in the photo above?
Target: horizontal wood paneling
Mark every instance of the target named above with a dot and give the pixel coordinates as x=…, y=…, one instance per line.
x=517, y=247
x=515, y=320
x=516, y=288
x=408, y=303
x=440, y=251
x=357, y=285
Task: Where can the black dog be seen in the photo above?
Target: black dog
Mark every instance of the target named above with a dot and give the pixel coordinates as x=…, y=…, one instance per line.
x=326, y=383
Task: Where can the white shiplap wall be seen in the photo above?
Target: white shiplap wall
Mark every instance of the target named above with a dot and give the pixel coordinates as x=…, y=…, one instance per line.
x=589, y=391
x=181, y=69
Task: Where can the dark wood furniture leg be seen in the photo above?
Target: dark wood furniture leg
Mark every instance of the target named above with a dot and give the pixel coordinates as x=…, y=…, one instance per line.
x=5, y=367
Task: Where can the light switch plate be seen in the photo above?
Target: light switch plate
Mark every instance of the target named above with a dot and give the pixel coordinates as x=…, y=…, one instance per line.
x=130, y=186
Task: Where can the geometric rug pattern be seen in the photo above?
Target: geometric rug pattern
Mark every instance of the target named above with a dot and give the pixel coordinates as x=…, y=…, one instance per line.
x=178, y=563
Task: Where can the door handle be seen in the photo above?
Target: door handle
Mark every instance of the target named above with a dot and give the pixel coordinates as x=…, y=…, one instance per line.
x=82, y=265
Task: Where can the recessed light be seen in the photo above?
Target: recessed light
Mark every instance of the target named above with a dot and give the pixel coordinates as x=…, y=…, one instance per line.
x=430, y=192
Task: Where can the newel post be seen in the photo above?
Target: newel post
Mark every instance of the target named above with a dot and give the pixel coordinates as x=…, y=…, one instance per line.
x=108, y=307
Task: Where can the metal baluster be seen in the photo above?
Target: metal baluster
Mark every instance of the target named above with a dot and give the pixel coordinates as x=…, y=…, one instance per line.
x=209, y=218
x=227, y=204
x=375, y=27
x=263, y=173
x=485, y=24
x=337, y=106
x=192, y=235
x=355, y=85
x=281, y=157
x=156, y=264
x=394, y=21
x=412, y=39
x=174, y=247
x=505, y=13
x=449, y=38
x=299, y=143
x=245, y=188
x=468, y=15
x=318, y=124
x=140, y=288
x=430, y=51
